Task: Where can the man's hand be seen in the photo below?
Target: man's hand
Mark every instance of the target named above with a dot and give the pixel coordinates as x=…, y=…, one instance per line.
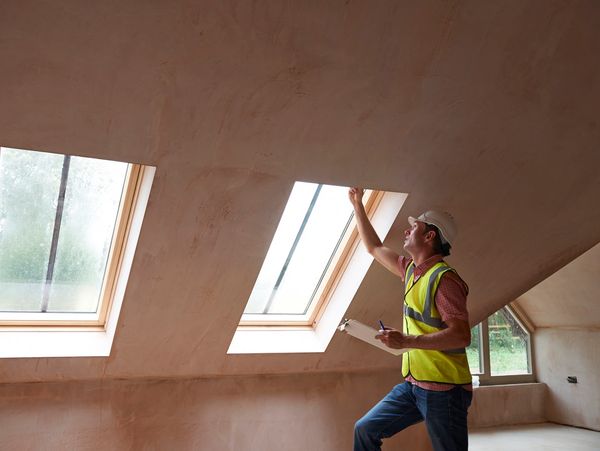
x=356, y=196
x=382, y=254
x=456, y=335
x=393, y=338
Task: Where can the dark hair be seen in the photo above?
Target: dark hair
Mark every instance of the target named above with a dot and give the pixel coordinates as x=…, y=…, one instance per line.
x=438, y=246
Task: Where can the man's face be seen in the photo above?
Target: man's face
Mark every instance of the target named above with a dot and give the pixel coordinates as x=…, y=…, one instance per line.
x=415, y=237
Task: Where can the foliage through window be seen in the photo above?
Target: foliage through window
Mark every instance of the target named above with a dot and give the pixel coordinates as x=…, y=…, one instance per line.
x=61, y=221
x=500, y=348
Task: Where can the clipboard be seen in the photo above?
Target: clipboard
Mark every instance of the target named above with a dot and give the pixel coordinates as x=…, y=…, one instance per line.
x=366, y=334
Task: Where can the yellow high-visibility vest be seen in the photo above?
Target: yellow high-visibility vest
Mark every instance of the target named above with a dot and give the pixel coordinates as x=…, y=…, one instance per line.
x=422, y=317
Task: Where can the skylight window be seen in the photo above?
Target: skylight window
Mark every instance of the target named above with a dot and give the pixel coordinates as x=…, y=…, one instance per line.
x=310, y=233
x=63, y=221
x=311, y=271
x=311, y=236
x=69, y=227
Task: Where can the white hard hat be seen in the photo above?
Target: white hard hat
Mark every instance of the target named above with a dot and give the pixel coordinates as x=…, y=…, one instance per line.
x=442, y=220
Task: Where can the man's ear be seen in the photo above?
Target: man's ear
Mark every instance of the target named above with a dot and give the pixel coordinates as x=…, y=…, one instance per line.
x=430, y=235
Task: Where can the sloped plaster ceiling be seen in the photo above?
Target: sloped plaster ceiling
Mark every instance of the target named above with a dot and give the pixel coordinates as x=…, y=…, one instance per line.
x=568, y=298
x=487, y=109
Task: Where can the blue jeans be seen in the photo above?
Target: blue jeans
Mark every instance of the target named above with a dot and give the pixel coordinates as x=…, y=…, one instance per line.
x=445, y=414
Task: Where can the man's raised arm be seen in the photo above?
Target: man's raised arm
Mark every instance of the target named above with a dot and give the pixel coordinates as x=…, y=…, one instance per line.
x=382, y=254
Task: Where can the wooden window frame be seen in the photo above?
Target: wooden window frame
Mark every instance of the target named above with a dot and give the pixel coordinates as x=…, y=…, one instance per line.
x=133, y=179
x=486, y=377
x=341, y=259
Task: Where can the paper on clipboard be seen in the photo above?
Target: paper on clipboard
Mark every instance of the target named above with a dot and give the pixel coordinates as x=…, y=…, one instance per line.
x=366, y=334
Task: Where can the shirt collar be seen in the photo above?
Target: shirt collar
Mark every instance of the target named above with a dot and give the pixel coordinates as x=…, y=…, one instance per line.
x=427, y=264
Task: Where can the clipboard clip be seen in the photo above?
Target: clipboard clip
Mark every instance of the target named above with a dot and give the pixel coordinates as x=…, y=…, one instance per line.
x=342, y=326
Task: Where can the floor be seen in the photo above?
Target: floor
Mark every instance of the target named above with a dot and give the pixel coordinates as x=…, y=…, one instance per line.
x=534, y=437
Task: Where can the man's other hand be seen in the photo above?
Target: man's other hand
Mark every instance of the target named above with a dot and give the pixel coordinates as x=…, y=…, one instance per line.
x=393, y=338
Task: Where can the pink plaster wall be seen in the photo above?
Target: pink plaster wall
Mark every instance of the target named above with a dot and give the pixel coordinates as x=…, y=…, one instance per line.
x=503, y=405
x=569, y=297
x=566, y=313
x=301, y=412
x=562, y=352
x=313, y=412
x=487, y=109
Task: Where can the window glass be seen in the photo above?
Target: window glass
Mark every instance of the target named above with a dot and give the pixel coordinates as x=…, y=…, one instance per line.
x=307, y=237
x=91, y=205
x=509, y=344
x=29, y=183
x=474, y=351
x=32, y=277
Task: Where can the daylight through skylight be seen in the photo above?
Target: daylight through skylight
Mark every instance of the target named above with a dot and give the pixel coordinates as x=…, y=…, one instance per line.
x=310, y=232
x=57, y=222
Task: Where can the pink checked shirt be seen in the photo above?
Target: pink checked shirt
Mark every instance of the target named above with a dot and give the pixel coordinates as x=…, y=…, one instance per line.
x=450, y=301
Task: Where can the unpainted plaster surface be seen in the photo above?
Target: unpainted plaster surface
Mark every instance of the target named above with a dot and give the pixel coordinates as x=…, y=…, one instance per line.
x=299, y=412
x=486, y=109
x=263, y=413
x=568, y=298
x=503, y=405
x=560, y=353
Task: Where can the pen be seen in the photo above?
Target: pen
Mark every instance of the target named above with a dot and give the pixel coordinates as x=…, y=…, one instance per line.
x=381, y=325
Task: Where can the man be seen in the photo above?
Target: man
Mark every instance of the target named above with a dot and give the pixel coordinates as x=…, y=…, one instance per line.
x=437, y=387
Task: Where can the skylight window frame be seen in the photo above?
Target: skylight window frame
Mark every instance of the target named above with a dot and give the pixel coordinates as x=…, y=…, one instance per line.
x=90, y=320
x=316, y=338
x=348, y=244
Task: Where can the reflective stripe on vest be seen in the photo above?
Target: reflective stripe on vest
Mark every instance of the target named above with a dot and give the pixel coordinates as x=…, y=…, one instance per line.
x=426, y=316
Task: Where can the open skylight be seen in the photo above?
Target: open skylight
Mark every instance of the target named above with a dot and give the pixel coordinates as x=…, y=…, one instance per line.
x=311, y=271
x=310, y=233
